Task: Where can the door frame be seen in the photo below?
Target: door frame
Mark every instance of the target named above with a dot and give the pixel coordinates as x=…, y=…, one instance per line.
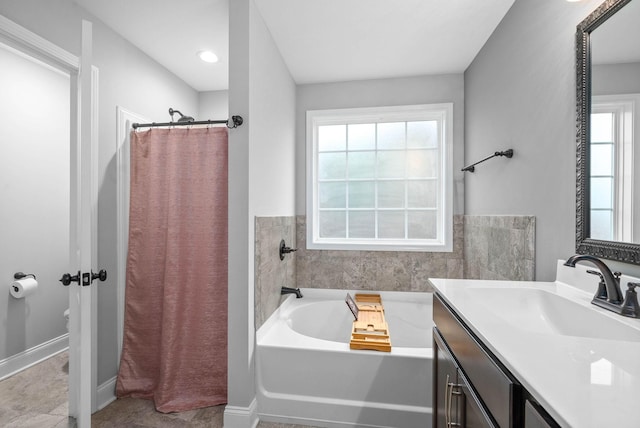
x=124, y=119
x=37, y=47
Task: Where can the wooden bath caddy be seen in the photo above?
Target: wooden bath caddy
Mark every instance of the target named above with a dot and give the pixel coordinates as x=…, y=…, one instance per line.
x=370, y=331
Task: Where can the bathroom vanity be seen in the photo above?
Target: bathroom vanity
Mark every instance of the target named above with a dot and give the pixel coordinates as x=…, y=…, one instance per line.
x=471, y=387
x=532, y=354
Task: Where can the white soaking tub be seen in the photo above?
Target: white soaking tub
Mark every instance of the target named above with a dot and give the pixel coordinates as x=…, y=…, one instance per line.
x=306, y=373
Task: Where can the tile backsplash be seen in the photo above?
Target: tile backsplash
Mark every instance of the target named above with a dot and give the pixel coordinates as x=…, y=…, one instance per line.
x=484, y=247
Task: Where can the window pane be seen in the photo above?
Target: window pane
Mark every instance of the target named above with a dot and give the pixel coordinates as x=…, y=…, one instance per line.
x=362, y=224
x=391, y=135
x=422, y=163
x=332, y=137
x=422, y=194
x=333, y=224
x=601, y=159
x=601, y=127
x=602, y=192
x=332, y=165
x=391, y=194
x=422, y=134
x=422, y=225
x=601, y=225
x=362, y=136
x=333, y=195
x=391, y=164
x=362, y=164
x=391, y=224
x=362, y=194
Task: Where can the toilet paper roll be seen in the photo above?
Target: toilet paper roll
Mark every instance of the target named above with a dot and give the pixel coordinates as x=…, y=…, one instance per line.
x=23, y=287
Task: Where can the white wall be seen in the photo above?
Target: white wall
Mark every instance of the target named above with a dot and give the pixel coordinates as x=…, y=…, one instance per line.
x=520, y=93
x=261, y=180
x=384, y=92
x=34, y=190
x=127, y=78
x=213, y=105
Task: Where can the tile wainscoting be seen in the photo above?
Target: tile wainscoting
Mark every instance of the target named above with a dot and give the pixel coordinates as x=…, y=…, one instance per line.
x=484, y=247
x=500, y=247
x=271, y=273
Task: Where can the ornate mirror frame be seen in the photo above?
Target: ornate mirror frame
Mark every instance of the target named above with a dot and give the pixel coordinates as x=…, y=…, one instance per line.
x=612, y=250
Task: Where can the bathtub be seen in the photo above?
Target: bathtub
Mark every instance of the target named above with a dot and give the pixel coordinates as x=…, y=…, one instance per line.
x=306, y=373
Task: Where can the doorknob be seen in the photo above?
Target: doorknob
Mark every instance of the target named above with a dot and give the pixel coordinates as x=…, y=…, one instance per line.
x=102, y=275
x=86, y=278
x=67, y=278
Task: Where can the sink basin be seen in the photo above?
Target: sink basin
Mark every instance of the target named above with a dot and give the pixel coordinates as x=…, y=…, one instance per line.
x=541, y=311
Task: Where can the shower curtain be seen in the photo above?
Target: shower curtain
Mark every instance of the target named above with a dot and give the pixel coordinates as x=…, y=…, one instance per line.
x=175, y=328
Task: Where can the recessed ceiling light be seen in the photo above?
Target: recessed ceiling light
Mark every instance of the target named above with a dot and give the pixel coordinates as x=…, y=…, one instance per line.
x=208, y=56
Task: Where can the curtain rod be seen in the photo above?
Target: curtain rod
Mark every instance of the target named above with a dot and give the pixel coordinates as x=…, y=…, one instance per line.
x=237, y=121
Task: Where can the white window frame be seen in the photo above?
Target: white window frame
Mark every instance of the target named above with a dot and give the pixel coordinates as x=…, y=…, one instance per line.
x=442, y=112
x=625, y=109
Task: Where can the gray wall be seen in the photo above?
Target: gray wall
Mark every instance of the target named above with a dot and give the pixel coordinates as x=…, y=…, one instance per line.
x=130, y=79
x=213, y=105
x=383, y=92
x=520, y=93
x=34, y=190
x=261, y=181
x=615, y=79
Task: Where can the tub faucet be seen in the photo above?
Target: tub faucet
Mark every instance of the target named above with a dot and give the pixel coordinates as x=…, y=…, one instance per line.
x=611, y=299
x=289, y=290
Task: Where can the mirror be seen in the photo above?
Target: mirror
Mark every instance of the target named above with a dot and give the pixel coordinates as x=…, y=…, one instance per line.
x=608, y=107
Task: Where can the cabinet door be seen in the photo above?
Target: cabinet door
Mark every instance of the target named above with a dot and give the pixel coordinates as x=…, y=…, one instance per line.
x=445, y=373
x=473, y=413
x=536, y=417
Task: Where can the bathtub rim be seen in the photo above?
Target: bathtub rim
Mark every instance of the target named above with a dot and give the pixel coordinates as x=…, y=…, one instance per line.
x=276, y=333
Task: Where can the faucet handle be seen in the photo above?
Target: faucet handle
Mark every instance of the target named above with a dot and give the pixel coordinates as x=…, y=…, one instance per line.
x=617, y=275
x=630, y=306
x=595, y=272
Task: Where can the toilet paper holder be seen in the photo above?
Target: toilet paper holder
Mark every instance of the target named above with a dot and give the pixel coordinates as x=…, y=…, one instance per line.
x=20, y=275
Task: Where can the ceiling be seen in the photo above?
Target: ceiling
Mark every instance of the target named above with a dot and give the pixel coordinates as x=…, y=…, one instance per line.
x=320, y=41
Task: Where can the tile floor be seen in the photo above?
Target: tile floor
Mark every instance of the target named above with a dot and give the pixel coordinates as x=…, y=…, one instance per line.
x=45, y=385
x=27, y=400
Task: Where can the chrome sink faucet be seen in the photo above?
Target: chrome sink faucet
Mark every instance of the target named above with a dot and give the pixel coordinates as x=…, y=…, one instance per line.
x=609, y=295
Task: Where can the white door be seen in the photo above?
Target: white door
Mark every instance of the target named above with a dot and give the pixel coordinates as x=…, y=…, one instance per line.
x=83, y=205
x=83, y=240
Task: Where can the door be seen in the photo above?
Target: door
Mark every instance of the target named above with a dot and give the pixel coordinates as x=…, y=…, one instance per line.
x=83, y=240
x=82, y=201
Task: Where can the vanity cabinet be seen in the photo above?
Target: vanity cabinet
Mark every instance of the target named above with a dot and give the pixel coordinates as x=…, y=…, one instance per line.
x=470, y=386
x=457, y=403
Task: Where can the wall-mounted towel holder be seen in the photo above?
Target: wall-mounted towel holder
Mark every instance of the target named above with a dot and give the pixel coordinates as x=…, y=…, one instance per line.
x=472, y=167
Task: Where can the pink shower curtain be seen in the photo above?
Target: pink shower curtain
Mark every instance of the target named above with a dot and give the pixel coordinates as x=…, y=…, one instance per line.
x=175, y=328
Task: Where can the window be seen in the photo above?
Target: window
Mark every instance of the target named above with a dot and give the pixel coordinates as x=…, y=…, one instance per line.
x=380, y=178
x=612, y=167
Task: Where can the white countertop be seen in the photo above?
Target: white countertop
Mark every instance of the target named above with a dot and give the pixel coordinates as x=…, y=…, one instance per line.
x=581, y=381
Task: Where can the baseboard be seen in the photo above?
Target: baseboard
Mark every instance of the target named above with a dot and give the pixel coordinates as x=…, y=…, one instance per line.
x=241, y=417
x=106, y=393
x=32, y=356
